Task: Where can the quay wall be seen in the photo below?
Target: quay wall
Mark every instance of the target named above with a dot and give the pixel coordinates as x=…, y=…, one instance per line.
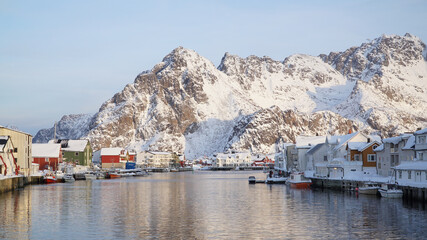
x=10, y=184
x=412, y=193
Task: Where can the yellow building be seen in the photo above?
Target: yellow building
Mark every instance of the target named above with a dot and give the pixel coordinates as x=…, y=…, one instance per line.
x=22, y=144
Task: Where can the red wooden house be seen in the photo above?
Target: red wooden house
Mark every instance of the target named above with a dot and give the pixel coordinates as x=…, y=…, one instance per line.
x=48, y=156
x=113, y=157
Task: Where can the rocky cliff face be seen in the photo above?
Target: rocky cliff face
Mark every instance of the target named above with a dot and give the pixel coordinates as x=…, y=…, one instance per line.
x=186, y=104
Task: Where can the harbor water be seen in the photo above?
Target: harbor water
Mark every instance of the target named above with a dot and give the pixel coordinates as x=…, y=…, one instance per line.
x=202, y=205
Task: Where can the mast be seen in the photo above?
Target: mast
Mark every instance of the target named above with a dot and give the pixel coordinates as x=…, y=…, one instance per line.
x=54, y=133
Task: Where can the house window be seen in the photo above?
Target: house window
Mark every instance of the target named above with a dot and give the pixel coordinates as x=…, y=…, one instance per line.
x=421, y=139
x=356, y=157
x=371, y=157
x=420, y=156
x=325, y=158
x=15, y=150
x=77, y=153
x=426, y=175
x=409, y=175
x=400, y=174
x=46, y=159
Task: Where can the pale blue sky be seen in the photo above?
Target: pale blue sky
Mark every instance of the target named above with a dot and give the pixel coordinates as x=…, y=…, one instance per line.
x=62, y=57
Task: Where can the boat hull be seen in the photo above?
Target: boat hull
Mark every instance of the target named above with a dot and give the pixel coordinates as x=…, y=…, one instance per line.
x=368, y=191
x=300, y=185
x=115, y=175
x=276, y=180
x=391, y=193
x=49, y=180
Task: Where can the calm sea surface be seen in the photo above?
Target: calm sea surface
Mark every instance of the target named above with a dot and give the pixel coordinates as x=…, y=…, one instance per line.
x=202, y=205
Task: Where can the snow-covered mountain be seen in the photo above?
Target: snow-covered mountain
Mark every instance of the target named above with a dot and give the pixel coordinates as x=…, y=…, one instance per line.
x=186, y=104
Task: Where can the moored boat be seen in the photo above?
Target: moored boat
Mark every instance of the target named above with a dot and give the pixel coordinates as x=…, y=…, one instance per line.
x=276, y=179
x=298, y=180
x=68, y=177
x=369, y=188
x=388, y=191
x=252, y=180
x=49, y=178
x=114, y=175
x=90, y=176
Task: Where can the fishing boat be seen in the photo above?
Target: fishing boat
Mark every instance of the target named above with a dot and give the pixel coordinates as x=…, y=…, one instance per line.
x=114, y=175
x=49, y=178
x=389, y=191
x=369, y=188
x=90, y=176
x=297, y=180
x=68, y=177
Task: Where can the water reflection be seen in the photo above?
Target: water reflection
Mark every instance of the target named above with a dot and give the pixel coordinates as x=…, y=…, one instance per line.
x=202, y=205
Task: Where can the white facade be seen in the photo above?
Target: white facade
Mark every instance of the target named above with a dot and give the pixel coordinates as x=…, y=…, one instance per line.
x=318, y=159
x=339, y=168
x=421, y=144
x=393, y=151
x=233, y=160
x=303, y=145
x=413, y=173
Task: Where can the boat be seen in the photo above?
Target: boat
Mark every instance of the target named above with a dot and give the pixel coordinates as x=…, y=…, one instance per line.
x=100, y=175
x=276, y=179
x=90, y=176
x=49, y=178
x=388, y=191
x=369, y=188
x=252, y=180
x=68, y=177
x=173, y=170
x=113, y=175
x=298, y=180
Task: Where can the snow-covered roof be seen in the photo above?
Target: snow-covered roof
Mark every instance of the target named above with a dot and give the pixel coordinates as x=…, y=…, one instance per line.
x=111, y=151
x=379, y=148
x=315, y=148
x=412, y=165
x=46, y=150
x=422, y=131
x=410, y=143
x=76, y=146
x=308, y=141
x=342, y=140
x=394, y=140
x=339, y=139
x=356, y=145
x=367, y=145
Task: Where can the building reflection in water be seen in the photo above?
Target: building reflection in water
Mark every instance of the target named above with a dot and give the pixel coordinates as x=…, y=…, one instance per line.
x=15, y=218
x=199, y=206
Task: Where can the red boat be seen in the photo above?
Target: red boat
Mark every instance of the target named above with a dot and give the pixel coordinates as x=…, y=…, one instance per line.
x=48, y=178
x=114, y=175
x=297, y=180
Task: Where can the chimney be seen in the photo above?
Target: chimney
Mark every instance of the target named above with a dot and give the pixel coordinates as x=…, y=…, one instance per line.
x=369, y=140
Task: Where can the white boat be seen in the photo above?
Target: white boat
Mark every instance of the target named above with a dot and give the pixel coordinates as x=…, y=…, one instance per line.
x=90, y=176
x=388, y=191
x=276, y=179
x=369, y=188
x=68, y=177
x=273, y=177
